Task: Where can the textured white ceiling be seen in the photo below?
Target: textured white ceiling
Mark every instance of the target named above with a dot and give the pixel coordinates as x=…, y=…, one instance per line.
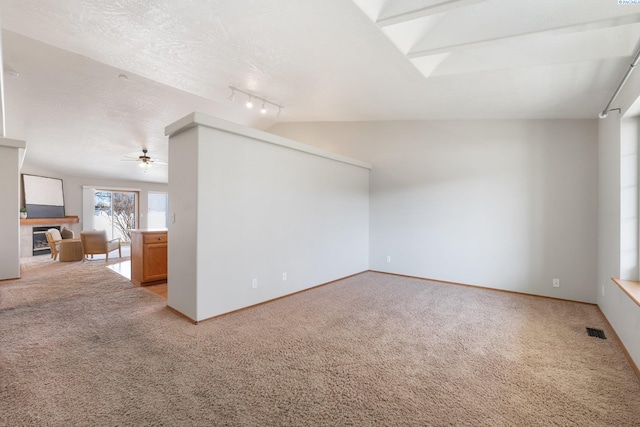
x=322, y=59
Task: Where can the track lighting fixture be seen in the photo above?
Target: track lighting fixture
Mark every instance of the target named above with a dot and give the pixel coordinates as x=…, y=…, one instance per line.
x=250, y=101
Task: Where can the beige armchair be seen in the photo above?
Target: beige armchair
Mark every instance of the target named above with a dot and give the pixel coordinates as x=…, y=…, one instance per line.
x=95, y=242
x=55, y=238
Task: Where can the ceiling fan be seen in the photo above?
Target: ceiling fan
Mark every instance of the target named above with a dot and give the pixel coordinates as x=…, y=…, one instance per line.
x=146, y=161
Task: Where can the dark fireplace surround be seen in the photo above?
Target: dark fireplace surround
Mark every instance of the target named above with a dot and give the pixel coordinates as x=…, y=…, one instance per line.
x=40, y=244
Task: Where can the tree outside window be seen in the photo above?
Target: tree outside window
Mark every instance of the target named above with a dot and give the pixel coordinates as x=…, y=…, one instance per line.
x=115, y=212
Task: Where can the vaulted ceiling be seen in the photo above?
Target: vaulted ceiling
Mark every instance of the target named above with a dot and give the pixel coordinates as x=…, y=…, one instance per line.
x=88, y=83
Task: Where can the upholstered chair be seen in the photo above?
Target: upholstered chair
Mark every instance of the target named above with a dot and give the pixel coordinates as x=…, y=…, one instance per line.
x=62, y=243
x=95, y=242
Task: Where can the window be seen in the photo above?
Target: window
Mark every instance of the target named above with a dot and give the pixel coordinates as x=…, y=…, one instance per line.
x=158, y=210
x=116, y=212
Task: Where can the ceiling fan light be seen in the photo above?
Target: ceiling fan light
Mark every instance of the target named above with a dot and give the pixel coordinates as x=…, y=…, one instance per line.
x=142, y=164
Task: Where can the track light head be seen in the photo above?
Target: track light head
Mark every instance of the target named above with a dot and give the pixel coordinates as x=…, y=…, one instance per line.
x=263, y=110
x=249, y=103
x=232, y=97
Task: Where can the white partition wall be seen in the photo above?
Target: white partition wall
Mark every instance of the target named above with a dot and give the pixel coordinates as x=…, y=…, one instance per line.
x=254, y=216
x=182, y=288
x=10, y=152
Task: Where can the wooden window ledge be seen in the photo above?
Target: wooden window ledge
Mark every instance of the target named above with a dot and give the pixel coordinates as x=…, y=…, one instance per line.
x=630, y=288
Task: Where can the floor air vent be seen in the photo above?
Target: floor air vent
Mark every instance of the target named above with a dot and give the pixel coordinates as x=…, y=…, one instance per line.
x=596, y=333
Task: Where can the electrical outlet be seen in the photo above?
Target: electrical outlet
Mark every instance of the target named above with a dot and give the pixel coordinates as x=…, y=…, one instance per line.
x=284, y=276
x=254, y=283
x=388, y=258
x=556, y=283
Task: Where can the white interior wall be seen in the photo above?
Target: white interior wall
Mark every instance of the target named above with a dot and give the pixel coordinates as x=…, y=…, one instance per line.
x=9, y=208
x=182, y=288
x=629, y=199
x=609, y=211
x=613, y=135
x=263, y=208
x=620, y=310
x=500, y=204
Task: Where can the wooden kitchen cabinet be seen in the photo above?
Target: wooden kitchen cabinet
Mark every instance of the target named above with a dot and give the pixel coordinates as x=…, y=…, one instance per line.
x=148, y=256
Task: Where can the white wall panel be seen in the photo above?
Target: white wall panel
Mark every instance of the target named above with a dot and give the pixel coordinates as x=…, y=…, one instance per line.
x=500, y=204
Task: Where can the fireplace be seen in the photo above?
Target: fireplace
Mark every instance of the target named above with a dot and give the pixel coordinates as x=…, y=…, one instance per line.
x=40, y=244
x=26, y=232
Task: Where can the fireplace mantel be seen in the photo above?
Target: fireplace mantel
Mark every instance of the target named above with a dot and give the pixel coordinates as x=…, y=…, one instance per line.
x=49, y=221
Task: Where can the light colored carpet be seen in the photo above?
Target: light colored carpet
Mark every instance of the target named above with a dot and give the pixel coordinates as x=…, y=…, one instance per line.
x=80, y=346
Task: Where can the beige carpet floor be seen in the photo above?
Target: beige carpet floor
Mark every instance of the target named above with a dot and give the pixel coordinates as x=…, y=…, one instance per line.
x=79, y=345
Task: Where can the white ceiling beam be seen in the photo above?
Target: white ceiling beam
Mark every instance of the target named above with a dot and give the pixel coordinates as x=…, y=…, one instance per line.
x=565, y=49
x=422, y=12
x=583, y=26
